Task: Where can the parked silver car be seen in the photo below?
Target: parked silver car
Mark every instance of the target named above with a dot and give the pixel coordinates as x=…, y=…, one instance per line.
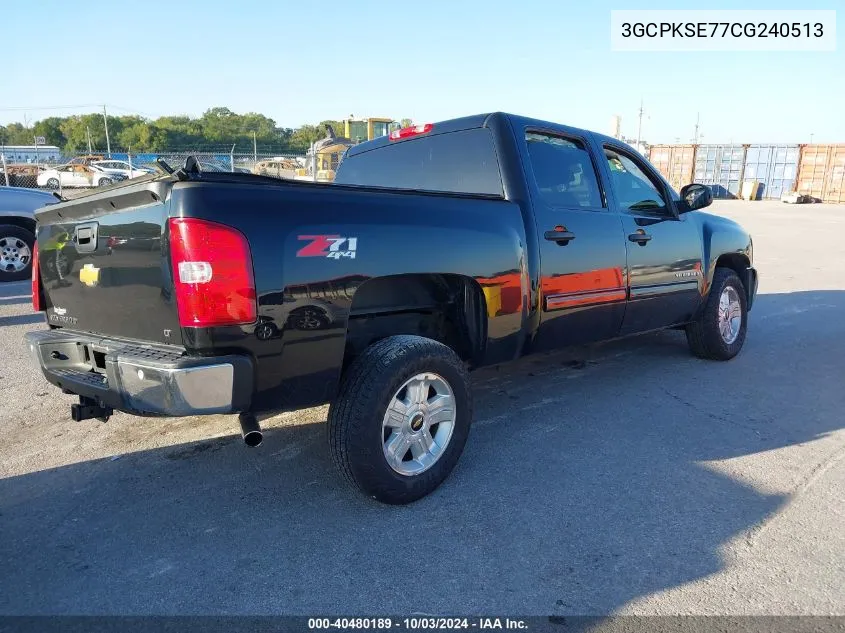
x=17, y=230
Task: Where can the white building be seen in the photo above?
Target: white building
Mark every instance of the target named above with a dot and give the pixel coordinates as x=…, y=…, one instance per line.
x=616, y=126
x=29, y=153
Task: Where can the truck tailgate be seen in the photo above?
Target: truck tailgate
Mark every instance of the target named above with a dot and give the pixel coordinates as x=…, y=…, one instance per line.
x=104, y=265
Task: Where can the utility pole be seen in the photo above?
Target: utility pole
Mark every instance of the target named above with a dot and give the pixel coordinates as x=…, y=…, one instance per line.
x=254, y=148
x=88, y=131
x=811, y=138
x=106, y=121
x=640, y=126
x=695, y=135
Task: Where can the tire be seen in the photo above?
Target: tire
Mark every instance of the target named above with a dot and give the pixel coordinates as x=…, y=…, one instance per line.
x=104, y=182
x=53, y=183
x=705, y=338
x=357, y=433
x=16, y=246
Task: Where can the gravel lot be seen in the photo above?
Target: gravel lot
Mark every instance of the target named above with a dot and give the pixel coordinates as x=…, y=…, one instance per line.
x=624, y=478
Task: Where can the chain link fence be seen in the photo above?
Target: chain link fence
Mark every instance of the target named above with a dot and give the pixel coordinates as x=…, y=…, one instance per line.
x=76, y=173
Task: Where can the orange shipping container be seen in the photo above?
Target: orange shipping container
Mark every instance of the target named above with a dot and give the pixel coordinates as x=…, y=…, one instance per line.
x=675, y=162
x=821, y=172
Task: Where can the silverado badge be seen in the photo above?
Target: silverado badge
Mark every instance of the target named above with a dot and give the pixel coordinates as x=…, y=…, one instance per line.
x=89, y=275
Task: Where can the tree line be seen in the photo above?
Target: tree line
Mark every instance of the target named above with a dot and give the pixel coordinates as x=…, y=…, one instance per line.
x=216, y=130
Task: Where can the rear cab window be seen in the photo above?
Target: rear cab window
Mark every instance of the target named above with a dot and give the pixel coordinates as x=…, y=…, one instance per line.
x=463, y=161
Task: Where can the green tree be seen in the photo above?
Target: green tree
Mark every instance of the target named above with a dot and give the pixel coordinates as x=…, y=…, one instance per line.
x=50, y=129
x=75, y=129
x=218, y=128
x=142, y=136
x=17, y=134
x=302, y=137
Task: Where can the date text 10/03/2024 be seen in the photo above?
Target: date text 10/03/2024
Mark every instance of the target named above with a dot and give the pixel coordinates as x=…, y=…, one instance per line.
x=417, y=623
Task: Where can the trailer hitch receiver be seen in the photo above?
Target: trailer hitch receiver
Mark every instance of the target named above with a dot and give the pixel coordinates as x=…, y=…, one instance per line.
x=89, y=409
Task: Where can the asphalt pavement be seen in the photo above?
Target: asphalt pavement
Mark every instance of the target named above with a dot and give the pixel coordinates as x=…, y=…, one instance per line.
x=628, y=477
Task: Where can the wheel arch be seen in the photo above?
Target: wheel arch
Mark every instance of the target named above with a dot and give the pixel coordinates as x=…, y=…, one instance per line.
x=741, y=265
x=449, y=308
x=727, y=245
x=737, y=262
x=19, y=221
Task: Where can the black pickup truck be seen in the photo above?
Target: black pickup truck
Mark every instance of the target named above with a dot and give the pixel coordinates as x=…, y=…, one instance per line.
x=440, y=248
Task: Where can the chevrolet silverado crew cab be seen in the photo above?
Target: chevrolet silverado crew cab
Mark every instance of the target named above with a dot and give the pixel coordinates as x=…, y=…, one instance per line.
x=440, y=248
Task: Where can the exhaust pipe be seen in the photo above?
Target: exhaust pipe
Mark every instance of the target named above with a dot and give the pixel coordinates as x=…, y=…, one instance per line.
x=250, y=429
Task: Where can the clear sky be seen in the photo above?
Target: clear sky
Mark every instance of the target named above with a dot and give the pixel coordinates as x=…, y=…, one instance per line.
x=302, y=62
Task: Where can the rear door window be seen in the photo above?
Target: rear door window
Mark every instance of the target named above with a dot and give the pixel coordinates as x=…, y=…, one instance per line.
x=455, y=162
x=563, y=172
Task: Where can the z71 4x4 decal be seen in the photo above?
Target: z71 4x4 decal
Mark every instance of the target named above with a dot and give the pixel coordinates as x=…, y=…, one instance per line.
x=330, y=246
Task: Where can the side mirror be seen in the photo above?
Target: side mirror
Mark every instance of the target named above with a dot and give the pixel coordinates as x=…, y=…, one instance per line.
x=695, y=196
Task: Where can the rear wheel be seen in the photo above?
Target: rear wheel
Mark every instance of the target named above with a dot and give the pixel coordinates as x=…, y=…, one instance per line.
x=401, y=419
x=16, y=245
x=719, y=331
x=53, y=183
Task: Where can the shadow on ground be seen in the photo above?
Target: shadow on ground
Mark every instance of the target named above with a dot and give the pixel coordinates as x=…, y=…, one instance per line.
x=22, y=319
x=584, y=485
x=15, y=300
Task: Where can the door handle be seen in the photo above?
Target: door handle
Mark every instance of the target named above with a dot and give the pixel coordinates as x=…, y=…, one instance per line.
x=641, y=237
x=85, y=237
x=561, y=237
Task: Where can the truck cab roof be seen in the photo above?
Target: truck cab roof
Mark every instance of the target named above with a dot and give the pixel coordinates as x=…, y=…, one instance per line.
x=489, y=119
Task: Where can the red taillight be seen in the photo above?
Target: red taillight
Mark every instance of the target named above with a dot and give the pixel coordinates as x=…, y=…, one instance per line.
x=408, y=132
x=36, y=280
x=212, y=274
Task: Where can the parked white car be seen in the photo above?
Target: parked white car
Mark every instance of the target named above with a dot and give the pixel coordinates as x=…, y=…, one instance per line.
x=76, y=176
x=121, y=168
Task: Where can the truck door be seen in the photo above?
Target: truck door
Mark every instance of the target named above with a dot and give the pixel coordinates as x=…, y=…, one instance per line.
x=582, y=248
x=664, y=249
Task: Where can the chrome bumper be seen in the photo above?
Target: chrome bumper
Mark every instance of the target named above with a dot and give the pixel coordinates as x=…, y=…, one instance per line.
x=140, y=378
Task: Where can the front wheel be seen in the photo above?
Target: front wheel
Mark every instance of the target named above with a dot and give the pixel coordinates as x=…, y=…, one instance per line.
x=719, y=331
x=104, y=182
x=53, y=183
x=401, y=418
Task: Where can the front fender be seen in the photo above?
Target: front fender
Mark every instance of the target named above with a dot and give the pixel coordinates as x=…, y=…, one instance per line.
x=725, y=242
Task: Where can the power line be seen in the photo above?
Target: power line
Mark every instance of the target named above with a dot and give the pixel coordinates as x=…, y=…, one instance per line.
x=74, y=107
x=54, y=107
x=130, y=110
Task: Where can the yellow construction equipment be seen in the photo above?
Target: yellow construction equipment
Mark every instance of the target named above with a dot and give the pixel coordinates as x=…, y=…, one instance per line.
x=360, y=130
x=325, y=155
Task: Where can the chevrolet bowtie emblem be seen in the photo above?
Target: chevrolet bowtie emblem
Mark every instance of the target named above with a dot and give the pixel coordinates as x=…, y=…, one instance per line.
x=89, y=275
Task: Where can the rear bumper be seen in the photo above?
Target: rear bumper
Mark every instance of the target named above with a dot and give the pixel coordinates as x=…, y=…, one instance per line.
x=140, y=378
x=751, y=285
